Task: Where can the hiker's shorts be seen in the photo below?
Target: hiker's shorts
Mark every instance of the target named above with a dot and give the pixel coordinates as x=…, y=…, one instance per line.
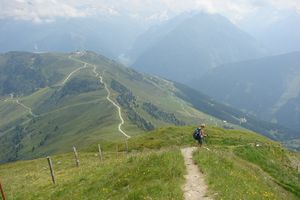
x=200, y=140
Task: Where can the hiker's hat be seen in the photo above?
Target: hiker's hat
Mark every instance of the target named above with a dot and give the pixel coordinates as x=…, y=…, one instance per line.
x=202, y=125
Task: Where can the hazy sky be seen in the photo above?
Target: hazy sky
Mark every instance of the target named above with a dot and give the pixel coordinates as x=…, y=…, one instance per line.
x=49, y=10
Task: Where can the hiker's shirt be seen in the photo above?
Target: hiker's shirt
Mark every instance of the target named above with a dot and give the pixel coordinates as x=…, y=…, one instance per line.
x=201, y=133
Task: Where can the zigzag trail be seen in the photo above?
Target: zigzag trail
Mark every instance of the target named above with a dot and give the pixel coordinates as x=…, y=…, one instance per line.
x=97, y=75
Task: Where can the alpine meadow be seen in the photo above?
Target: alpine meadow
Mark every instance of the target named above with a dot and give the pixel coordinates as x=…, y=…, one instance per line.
x=142, y=100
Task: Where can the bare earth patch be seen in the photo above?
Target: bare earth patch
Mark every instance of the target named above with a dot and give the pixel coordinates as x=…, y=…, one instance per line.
x=195, y=187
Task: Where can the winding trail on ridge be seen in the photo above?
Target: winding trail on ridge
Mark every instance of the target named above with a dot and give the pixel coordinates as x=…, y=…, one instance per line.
x=111, y=101
x=97, y=75
x=195, y=187
x=63, y=82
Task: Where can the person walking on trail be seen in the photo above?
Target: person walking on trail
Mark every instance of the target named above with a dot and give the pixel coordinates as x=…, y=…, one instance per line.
x=199, y=134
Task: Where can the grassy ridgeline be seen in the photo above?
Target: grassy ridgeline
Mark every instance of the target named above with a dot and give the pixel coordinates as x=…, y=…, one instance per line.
x=235, y=168
x=239, y=167
x=157, y=175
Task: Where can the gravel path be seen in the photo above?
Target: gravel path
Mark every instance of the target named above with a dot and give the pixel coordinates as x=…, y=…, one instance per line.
x=195, y=187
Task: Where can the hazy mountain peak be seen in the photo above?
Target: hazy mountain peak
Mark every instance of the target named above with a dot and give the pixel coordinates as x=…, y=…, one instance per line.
x=188, y=45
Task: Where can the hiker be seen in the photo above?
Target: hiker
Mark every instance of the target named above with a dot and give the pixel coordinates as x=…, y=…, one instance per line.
x=199, y=134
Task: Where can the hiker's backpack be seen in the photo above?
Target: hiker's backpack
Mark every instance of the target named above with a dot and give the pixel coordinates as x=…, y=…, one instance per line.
x=196, y=133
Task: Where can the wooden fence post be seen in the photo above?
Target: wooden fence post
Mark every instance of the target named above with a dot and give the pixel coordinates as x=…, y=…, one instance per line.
x=126, y=142
x=100, y=152
x=117, y=151
x=2, y=192
x=76, y=156
x=51, y=170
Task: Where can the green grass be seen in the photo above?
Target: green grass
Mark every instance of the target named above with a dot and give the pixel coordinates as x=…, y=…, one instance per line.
x=11, y=113
x=275, y=162
x=262, y=172
x=154, y=140
x=150, y=89
x=68, y=117
x=83, y=118
x=136, y=176
x=229, y=177
x=234, y=168
x=154, y=166
x=243, y=165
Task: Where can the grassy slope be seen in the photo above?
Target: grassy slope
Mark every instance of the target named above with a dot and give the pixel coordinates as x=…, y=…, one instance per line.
x=148, y=89
x=132, y=177
x=68, y=124
x=265, y=171
x=86, y=112
x=232, y=115
x=84, y=118
x=10, y=114
x=234, y=169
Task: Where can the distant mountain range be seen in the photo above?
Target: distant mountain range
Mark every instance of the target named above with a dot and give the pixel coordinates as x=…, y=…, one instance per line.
x=280, y=33
x=110, y=36
x=268, y=87
x=192, y=69
x=52, y=101
x=186, y=47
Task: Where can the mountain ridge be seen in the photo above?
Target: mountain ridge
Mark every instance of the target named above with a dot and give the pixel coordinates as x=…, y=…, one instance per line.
x=147, y=102
x=193, y=46
x=259, y=93
x=262, y=167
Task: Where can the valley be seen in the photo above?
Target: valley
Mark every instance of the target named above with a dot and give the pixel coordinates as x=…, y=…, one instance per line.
x=248, y=86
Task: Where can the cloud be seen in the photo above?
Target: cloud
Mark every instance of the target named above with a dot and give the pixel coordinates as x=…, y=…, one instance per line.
x=285, y=4
x=48, y=10
x=161, y=16
x=37, y=10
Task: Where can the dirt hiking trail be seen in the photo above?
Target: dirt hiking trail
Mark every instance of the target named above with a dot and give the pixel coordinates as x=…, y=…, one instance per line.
x=195, y=187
